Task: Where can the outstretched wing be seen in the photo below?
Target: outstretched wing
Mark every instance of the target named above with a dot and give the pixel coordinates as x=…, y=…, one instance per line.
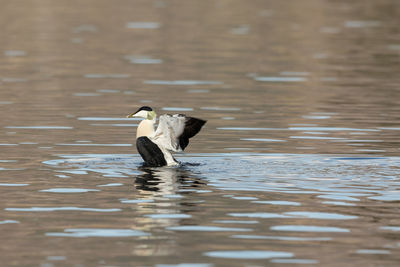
x=173, y=131
x=170, y=127
x=192, y=127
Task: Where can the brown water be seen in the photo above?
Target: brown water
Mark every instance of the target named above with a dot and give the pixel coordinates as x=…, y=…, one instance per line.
x=298, y=162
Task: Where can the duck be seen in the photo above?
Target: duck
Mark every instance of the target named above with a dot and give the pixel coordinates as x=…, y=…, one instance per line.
x=156, y=146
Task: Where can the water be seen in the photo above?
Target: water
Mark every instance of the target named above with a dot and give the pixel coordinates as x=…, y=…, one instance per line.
x=298, y=163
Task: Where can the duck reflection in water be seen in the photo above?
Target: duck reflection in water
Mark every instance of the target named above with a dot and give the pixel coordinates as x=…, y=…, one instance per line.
x=167, y=180
x=167, y=199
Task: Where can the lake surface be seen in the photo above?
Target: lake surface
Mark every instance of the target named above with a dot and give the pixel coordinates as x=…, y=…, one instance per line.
x=298, y=164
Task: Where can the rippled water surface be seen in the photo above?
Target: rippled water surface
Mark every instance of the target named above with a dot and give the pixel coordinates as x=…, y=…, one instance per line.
x=298, y=163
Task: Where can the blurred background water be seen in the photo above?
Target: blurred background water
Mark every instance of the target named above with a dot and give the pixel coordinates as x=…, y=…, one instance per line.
x=297, y=164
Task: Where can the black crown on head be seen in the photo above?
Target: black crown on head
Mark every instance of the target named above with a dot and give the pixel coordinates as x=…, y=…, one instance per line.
x=146, y=108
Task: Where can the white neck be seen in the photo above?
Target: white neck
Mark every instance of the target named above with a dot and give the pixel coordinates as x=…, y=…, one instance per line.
x=145, y=128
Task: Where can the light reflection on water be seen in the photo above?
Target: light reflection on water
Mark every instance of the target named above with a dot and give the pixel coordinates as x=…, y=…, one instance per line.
x=373, y=251
x=204, y=228
x=320, y=176
x=142, y=60
x=104, y=119
x=295, y=261
x=176, y=109
x=41, y=127
x=309, y=228
x=7, y=184
x=280, y=79
x=278, y=202
x=107, y=75
x=284, y=238
x=68, y=190
x=8, y=221
x=249, y=254
x=166, y=199
x=182, y=82
x=14, y=53
x=90, y=144
x=42, y=209
x=142, y=25
x=98, y=233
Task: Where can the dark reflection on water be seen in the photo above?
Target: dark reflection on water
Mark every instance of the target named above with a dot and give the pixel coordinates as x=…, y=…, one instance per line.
x=157, y=179
x=147, y=181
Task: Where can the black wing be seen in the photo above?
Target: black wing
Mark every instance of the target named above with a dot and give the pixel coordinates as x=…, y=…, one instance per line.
x=192, y=127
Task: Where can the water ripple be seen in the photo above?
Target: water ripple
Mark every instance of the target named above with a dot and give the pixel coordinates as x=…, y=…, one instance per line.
x=47, y=209
x=297, y=215
x=320, y=215
x=104, y=119
x=334, y=177
x=143, y=25
x=391, y=228
x=110, y=185
x=142, y=60
x=262, y=215
x=309, y=228
x=280, y=79
x=14, y=53
x=107, y=75
x=8, y=221
x=235, y=222
x=98, y=232
x=85, y=144
x=68, y=190
x=40, y=127
x=322, y=129
x=262, y=140
x=176, y=109
x=185, y=265
x=135, y=201
x=182, y=82
x=295, y=261
x=279, y=202
x=373, y=251
x=283, y=238
x=7, y=184
x=168, y=216
x=203, y=228
x=249, y=254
